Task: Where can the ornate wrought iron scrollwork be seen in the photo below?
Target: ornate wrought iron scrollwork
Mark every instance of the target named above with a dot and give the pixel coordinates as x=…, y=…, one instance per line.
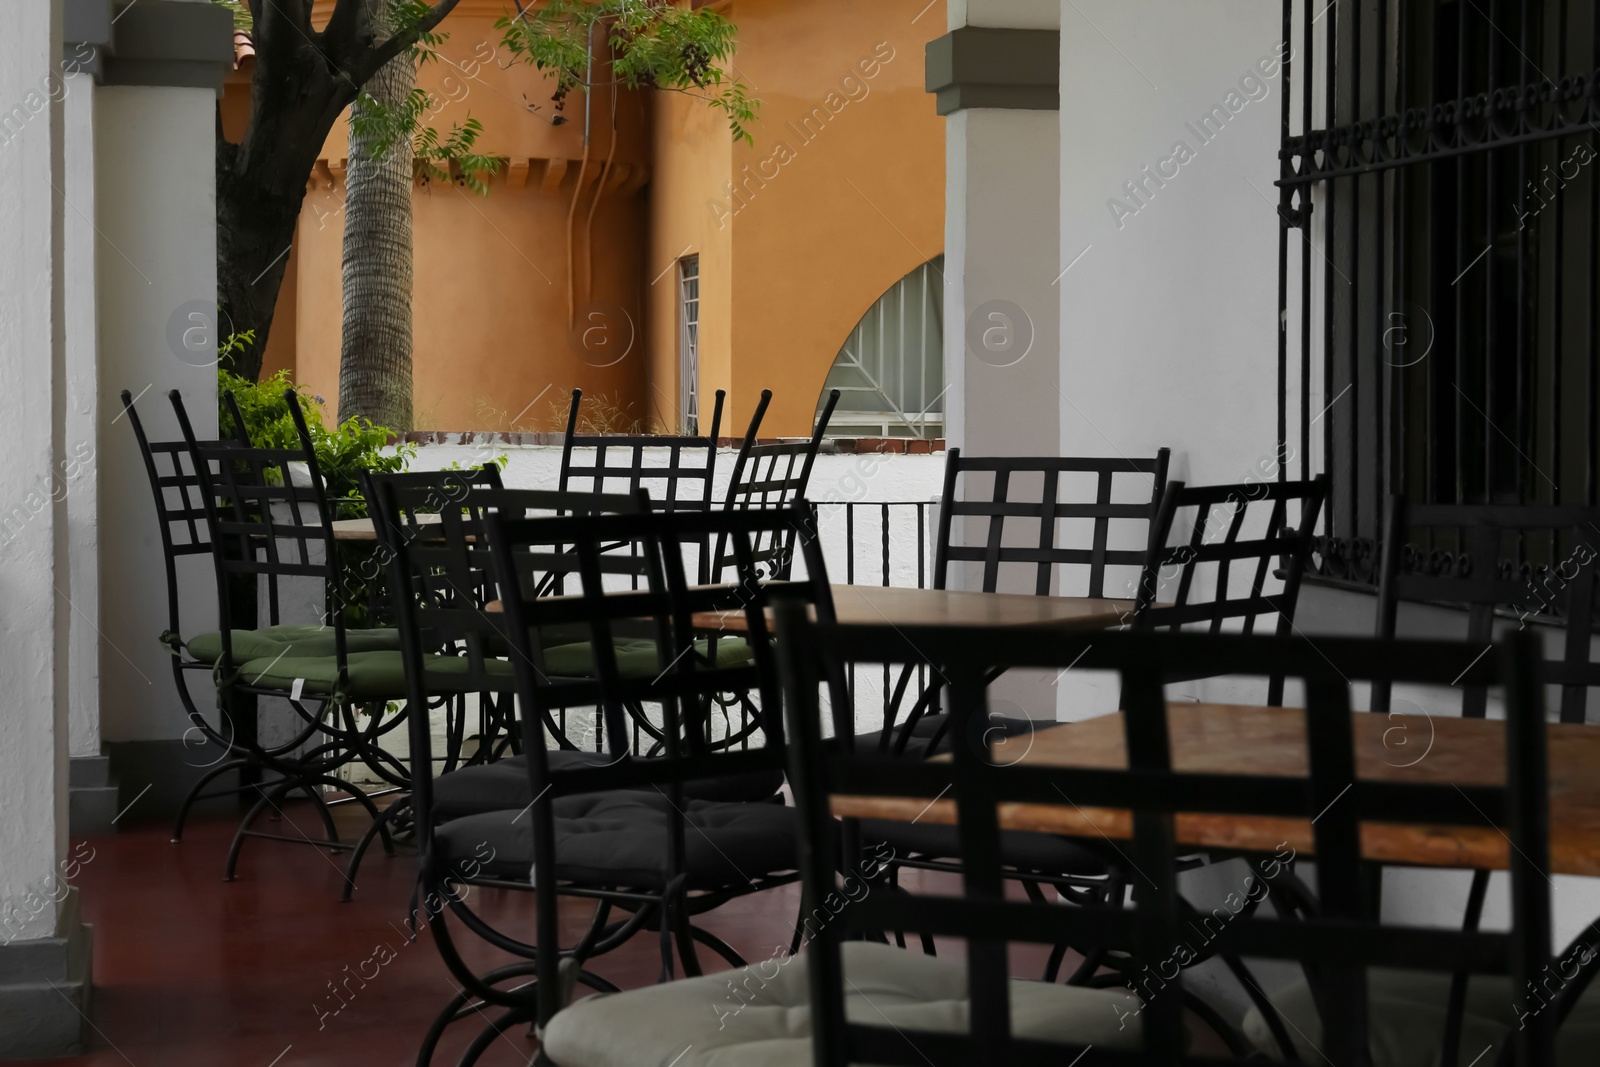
x=1506, y=116
x=1348, y=559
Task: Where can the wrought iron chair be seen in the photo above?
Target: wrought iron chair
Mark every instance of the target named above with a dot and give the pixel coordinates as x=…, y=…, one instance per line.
x=1248, y=526
x=617, y=831
x=267, y=526
x=853, y=1001
x=1536, y=561
x=684, y=482
x=770, y=475
x=181, y=520
x=1063, y=570
x=989, y=498
x=1494, y=560
x=438, y=515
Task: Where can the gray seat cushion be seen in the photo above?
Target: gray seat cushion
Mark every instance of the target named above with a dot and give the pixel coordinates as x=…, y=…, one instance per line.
x=1406, y=1020
x=504, y=784
x=1018, y=848
x=619, y=840
x=761, y=1016
x=1021, y=849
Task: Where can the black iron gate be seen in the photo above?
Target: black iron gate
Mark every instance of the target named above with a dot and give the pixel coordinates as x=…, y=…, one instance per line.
x=1437, y=321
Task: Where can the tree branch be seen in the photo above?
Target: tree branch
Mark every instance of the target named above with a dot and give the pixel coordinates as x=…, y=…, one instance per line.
x=367, y=65
x=340, y=34
x=281, y=27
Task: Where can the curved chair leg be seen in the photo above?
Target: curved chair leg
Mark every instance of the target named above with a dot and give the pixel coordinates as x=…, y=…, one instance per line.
x=665, y=920
x=490, y=1033
x=196, y=789
x=307, y=784
x=378, y=826
x=462, y=1006
x=322, y=809
x=441, y=1023
x=717, y=945
x=360, y=797
x=232, y=865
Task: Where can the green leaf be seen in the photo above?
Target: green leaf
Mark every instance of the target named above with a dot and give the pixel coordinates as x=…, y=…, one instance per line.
x=652, y=45
x=242, y=22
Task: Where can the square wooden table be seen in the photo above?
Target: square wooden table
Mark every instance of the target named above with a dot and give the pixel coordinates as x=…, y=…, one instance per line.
x=1240, y=739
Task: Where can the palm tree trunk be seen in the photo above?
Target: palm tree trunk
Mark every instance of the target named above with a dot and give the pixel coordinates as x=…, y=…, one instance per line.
x=375, y=354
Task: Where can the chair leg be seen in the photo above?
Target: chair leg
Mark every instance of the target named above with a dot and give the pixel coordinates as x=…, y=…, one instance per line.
x=664, y=920
x=1450, y=1052
x=378, y=827
x=322, y=811
x=717, y=945
x=249, y=819
x=682, y=933
x=195, y=791
x=488, y=1035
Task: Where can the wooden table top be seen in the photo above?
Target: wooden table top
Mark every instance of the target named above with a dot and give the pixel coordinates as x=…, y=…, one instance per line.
x=900, y=606
x=363, y=530
x=1239, y=739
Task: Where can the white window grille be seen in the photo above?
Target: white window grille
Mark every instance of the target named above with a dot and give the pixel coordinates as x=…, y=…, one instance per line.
x=689, y=343
x=890, y=372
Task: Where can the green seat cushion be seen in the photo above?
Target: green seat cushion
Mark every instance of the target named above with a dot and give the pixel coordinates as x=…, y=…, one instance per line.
x=637, y=657
x=371, y=675
x=300, y=639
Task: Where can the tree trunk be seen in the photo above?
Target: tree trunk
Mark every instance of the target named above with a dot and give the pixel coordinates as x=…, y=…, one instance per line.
x=375, y=353
x=254, y=231
x=303, y=81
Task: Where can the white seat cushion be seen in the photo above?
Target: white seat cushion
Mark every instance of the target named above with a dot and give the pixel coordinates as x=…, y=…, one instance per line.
x=1406, y=1020
x=760, y=1016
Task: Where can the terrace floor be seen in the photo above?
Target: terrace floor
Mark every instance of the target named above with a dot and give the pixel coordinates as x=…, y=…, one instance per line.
x=190, y=971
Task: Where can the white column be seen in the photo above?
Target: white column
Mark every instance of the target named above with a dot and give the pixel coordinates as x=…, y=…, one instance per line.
x=78, y=475
x=1002, y=313
x=33, y=750
x=156, y=211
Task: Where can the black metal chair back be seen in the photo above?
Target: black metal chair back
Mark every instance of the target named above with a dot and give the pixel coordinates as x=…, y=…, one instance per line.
x=1534, y=560
x=685, y=482
x=1336, y=944
x=1041, y=515
x=263, y=523
x=1236, y=530
x=771, y=475
x=443, y=586
x=180, y=504
x=688, y=682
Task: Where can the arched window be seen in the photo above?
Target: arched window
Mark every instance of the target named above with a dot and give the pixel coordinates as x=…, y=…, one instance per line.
x=890, y=372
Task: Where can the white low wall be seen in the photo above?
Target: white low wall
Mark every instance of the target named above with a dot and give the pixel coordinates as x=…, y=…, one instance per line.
x=836, y=480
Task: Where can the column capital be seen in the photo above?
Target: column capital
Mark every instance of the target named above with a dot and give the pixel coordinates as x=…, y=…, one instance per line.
x=981, y=66
x=86, y=33
x=170, y=42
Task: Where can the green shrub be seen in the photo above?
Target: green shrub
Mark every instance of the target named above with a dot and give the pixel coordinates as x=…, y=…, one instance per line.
x=342, y=453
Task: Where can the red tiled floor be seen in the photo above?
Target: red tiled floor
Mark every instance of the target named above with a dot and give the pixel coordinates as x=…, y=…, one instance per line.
x=190, y=971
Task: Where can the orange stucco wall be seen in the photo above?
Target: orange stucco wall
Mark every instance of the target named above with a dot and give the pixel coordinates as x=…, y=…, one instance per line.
x=797, y=235
x=823, y=215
